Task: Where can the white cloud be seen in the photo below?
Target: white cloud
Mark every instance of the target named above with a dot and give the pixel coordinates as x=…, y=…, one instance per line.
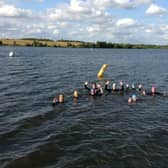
x=125, y=4
x=78, y=5
x=85, y=20
x=126, y=22
x=93, y=29
x=148, y=30
x=56, y=32
x=155, y=10
x=142, y=2
x=11, y=11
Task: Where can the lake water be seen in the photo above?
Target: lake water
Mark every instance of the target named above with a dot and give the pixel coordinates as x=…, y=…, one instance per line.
x=94, y=132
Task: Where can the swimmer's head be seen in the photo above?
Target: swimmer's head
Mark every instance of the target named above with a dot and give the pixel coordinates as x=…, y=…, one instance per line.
x=133, y=86
x=127, y=85
x=94, y=86
x=75, y=94
x=92, y=92
x=114, y=86
x=153, y=89
x=134, y=98
x=139, y=86
x=61, y=98
x=130, y=100
x=107, y=82
x=143, y=92
x=121, y=83
x=98, y=86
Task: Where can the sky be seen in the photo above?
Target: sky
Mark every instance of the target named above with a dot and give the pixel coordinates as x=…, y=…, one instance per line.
x=118, y=21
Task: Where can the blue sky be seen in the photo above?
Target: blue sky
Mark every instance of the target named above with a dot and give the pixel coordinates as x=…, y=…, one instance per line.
x=121, y=21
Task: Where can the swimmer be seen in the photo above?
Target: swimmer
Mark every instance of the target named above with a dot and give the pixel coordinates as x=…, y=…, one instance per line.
x=99, y=90
x=130, y=100
x=92, y=91
x=55, y=101
x=61, y=98
x=114, y=88
x=96, y=89
x=143, y=92
x=134, y=98
x=133, y=86
x=153, y=92
x=139, y=87
x=127, y=88
x=122, y=85
x=75, y=94
x=94, y=86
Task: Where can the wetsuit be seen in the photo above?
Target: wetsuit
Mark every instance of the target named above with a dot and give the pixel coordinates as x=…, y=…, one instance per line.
x=55, y=101
x=122, y=87
x=111, y=90
x=94, y=92
x=153, y=94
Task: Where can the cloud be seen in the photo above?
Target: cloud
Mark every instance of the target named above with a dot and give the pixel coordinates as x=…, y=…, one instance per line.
x=11, y=11
x=126, y=22
x=76, y=11
x=78, y=5
x=155, y=10
x=85, y=20
x=123, y=4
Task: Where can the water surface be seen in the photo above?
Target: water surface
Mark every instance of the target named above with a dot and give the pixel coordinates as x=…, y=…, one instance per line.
x=93, y=132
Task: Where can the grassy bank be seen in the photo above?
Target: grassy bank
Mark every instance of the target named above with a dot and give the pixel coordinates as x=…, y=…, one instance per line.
x=72, y=44
x=38, y=43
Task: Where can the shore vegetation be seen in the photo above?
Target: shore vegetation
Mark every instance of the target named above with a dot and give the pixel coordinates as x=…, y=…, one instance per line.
x=34, y=42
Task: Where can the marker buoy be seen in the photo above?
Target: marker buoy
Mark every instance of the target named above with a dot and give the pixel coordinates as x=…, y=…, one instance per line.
x=11, y=54
x=102, y=70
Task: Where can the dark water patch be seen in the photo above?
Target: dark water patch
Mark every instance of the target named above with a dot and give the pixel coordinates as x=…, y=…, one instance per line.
x=45, y=155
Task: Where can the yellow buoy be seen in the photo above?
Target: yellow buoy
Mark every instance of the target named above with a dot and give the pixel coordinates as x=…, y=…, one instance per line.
x=102, y=70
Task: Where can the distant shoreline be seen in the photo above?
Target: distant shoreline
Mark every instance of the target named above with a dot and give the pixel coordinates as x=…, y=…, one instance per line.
x=33, y=42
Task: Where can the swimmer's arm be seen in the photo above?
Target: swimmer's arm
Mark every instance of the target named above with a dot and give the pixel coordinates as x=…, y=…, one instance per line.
x=86, y=86
x=107, y=89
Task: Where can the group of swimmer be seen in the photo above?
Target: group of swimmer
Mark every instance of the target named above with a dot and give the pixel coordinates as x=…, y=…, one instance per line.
x=97, y=90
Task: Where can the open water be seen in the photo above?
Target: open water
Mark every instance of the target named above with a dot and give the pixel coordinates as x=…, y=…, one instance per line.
x=93, y=132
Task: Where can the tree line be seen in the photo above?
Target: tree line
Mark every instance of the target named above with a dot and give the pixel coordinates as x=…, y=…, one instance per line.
x=82, y=44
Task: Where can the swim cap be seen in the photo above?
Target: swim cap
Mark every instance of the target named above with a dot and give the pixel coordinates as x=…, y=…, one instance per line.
x=114, y=86
x=153, y=89
x=92, y=92
x=133, y=86
x=121, y=83
x=134, y=97
x=61, y=98
x=129, y=100
x=139, y=86
x=94, y=85
x=98, y=86
x=75, y=94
